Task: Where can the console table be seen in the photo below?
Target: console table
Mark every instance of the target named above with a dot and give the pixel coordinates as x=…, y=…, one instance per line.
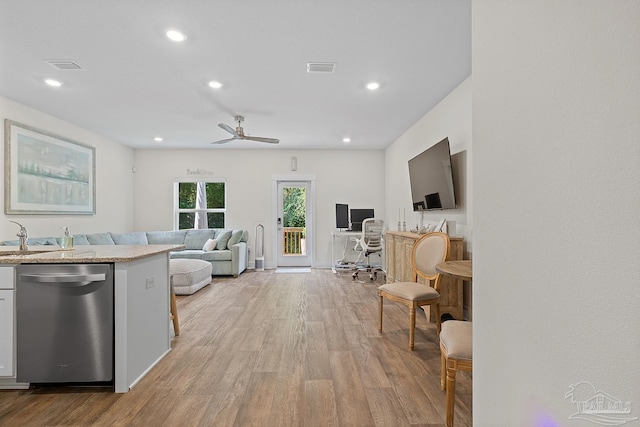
x=399, y=246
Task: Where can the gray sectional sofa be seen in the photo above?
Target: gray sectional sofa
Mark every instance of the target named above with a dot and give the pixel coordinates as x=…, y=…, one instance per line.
x=229, y=256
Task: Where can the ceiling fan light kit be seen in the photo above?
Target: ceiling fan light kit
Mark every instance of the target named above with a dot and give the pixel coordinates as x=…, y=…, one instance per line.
x=238, y=133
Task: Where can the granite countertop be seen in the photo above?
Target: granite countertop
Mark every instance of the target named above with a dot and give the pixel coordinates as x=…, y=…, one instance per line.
x=82, y=254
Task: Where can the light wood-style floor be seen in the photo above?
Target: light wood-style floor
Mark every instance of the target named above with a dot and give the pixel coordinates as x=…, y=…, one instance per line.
x=270, y=349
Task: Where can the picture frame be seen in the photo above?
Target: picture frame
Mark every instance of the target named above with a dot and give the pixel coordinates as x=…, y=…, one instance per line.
x=47, y=174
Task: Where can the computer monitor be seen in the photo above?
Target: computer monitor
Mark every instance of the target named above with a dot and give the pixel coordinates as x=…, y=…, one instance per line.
x=342, y=216
x=359, y=215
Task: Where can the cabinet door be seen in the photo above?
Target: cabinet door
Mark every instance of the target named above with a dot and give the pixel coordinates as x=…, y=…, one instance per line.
x=6, y=333
x=390, y=259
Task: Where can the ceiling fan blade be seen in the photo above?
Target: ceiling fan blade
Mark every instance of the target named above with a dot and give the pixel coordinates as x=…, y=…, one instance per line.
x=229, y=129
x=261, y=139
x=238, y=134
x=224, y=141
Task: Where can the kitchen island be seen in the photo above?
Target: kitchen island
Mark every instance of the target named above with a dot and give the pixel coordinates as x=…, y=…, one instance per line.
x=141, y=304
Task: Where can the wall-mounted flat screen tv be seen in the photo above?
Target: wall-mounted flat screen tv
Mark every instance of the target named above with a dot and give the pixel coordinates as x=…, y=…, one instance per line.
x=431, y=179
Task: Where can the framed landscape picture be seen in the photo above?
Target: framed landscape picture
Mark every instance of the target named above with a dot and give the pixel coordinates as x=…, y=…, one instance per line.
x=46, y=174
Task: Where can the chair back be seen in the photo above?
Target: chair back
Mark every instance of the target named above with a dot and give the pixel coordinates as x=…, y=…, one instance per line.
x=428, y=251
x=372, y=230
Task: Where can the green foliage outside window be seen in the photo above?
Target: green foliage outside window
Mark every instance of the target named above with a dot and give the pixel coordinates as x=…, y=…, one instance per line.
x=188, y=194
x=187, y=219
x=215, y=219
x=215, y=200
x=294, y=206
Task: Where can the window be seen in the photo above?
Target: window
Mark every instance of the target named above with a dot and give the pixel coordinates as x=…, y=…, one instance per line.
x=199, y=204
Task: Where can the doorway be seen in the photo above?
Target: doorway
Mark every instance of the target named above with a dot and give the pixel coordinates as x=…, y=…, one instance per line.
x=294, y=223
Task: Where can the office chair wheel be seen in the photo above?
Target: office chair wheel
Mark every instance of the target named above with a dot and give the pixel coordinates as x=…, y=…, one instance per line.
x=373, y=276
x=354, y=275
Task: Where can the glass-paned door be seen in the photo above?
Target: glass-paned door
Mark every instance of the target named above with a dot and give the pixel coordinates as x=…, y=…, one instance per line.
x=294, y=220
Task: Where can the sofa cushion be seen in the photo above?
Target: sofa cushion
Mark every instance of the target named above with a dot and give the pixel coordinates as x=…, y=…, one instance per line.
x=210, y=245
x=100, y=239
x=136, y=238
x=223, y=237
x=80, y=240
x=166, y=237
x=236, y=235
x=188, y=253
x=245, y=236
x=224, y=255
x=196, y=239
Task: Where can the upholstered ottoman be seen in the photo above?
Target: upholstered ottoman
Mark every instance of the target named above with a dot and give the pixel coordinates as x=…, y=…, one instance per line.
x=189, y=275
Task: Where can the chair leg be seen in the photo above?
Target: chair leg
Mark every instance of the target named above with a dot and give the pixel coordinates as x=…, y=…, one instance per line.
x=174, y=314
x=412, y=325
x=443, y=370
x=380, y=314
x=450, y=390
x=438, y=320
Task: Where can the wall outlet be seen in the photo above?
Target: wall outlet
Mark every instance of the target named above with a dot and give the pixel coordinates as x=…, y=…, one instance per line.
x=150, y=282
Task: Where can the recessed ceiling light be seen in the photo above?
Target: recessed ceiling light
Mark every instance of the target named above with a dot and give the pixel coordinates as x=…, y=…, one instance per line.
x=214, y=84
x=157, y=139
x=176, y=35
x=346, y=139
x=373, y=85
x=52, y=82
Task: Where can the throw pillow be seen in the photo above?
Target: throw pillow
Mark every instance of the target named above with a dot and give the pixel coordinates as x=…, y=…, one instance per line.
x=236, y=235
x=210, y=245
x=223, y=239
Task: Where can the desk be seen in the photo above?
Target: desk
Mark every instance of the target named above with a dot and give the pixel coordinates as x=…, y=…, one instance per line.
x=342, y=262
x=347, y=259
x=460, y=269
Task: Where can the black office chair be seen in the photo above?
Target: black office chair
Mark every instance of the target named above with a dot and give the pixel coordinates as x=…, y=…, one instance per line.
x=369, y=243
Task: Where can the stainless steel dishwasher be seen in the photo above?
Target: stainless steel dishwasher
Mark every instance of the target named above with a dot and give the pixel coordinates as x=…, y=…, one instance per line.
x=64, y=323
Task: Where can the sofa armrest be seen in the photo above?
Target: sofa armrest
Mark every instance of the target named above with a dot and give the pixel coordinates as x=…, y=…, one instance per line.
x=239, y=256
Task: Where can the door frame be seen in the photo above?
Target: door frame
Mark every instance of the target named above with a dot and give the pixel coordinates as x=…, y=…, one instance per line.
x=311, y=208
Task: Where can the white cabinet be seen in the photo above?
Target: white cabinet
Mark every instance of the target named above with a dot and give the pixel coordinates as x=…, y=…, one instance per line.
x=7, y=328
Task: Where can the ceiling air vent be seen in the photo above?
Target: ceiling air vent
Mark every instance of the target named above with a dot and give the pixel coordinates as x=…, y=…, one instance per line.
x=321, y=67
x=64, y=65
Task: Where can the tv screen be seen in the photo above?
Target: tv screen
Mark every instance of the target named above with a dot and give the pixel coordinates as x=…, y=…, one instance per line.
x=359, y=215
x=432, y=179
x=342, y=215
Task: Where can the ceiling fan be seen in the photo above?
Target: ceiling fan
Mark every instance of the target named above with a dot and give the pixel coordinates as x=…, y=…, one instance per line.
x=238, y=133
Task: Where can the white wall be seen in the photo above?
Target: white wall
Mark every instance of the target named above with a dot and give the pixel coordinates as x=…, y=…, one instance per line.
x=114, y=180
x=450, y=118
x=556, y=177
x=352, y=177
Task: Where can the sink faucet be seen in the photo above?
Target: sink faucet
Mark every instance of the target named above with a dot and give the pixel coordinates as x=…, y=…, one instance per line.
x=22, y=234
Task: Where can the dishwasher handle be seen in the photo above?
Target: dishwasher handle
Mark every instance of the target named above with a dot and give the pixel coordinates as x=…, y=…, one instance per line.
x=81, y=279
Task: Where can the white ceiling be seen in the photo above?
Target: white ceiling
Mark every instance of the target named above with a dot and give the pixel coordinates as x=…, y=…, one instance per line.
x=137, y=84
